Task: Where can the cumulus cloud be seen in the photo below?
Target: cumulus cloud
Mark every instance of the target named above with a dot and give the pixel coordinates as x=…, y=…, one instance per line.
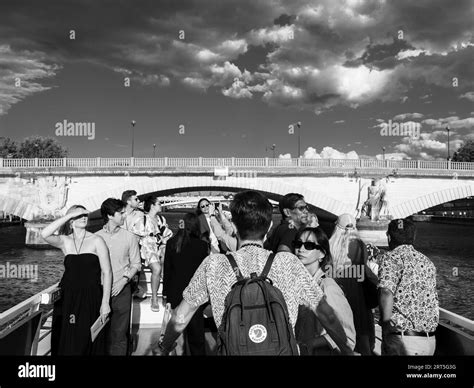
x=329, y=153
x=454, y=122
x=320, y=56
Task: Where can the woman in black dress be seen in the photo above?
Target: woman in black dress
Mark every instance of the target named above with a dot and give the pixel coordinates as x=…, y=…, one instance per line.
x=348, y=250
x=184, y=254
x=83, y=298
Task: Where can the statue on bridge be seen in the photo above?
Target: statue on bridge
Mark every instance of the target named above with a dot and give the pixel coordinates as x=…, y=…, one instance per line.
x=376, y=205
x=52, y=196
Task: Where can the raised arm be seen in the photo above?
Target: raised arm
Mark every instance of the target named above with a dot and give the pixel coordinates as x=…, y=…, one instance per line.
x=221, y=235
x=58, y=241
x=106, y=268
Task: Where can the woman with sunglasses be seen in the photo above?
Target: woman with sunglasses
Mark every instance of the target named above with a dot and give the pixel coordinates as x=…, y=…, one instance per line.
x=205, y=210
x=84, y=297
x=312, y=248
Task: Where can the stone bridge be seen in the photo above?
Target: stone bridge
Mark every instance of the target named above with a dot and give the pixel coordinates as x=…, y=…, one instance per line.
x=45, y=188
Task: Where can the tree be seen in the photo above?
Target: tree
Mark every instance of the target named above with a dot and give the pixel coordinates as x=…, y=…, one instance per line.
x=41, y=147
x=8, y=148
x=465, y=153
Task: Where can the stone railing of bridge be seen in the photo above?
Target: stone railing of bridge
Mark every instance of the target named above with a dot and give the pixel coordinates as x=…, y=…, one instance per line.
x=431, y=167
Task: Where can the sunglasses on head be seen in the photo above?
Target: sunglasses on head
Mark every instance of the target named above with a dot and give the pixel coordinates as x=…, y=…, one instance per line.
x=301, y=208
x=308, y=245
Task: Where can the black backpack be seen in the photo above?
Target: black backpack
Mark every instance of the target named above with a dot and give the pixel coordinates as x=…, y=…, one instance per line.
x=255, y=320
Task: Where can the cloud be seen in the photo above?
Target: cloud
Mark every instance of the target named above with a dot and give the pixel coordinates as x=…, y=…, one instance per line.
x=339, y=121
x=404, y=116
x=237, y=90
x=20, y=73
x=346, y=52
x=454, y=122
x=431, y=146
x=329, y=153
x=469, y=96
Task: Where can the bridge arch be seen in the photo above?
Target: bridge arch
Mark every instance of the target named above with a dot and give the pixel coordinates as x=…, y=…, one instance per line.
x=427, y=201
x=273, y=190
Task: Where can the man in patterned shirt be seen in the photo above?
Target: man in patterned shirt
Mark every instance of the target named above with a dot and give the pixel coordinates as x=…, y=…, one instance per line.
x=251, y=215
x=408, y=298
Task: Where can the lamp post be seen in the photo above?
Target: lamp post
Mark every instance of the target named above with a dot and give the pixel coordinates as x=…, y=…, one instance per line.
x=448, y=129
x=154, y=147
x=299, y=138
x=383, y=153
x=133, y=134
x=273, y=147
x=37, y=146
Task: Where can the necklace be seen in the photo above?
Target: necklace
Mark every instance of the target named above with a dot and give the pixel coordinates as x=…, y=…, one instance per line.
x=74, y=239
x=252, y=245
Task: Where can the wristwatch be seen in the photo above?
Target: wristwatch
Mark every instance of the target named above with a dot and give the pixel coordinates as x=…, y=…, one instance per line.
x=126, y=277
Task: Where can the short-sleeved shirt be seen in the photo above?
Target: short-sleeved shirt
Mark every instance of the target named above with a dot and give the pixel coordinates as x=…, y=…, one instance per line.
x=214, y=278
x=123, y=250
x=411, y=277
x=284, y=234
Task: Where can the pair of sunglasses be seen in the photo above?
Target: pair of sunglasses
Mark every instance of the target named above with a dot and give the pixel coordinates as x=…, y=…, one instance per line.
x=308, y=245
x=203, y=206
x=301, y=208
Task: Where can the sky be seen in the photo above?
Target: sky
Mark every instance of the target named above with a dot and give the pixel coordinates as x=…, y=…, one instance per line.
x=232, y=78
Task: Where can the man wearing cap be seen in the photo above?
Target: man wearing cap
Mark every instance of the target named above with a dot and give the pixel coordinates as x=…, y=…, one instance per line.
x=408, y=298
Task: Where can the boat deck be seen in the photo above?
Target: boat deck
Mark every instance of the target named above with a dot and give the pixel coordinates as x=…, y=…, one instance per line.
x=454, y=336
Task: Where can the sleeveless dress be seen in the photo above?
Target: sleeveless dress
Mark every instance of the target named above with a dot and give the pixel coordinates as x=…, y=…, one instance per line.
x=78, y=308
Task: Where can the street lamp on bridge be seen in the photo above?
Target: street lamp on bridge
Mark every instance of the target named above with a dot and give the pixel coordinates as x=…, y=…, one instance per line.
x=383, y=153
x=298, y=124
x=133, y=134
x=154, y=147
x=448, y=129
x=273, y=147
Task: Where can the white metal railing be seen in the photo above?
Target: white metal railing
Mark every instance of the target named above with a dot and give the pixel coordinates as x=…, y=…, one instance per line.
x=334, y=164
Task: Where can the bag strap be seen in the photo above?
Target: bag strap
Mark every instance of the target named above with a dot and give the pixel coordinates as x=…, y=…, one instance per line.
x=234, y=266
x=268, y=265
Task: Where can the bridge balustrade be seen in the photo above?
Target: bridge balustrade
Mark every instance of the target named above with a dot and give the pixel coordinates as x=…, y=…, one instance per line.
x=349, y=164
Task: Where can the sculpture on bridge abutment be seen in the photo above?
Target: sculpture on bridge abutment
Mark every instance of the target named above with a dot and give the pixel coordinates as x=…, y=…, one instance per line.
x=376, y=206
x=52, y=195
x=37, y=198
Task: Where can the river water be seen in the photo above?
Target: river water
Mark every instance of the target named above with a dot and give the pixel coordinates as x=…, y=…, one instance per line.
x=450, y=247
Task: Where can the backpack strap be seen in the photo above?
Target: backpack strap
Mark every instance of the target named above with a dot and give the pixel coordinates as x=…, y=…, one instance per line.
x=268, y=265
x=234, y=266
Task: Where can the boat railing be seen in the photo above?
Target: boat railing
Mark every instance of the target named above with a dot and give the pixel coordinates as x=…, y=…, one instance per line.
x=454, y=335
x=41, y=303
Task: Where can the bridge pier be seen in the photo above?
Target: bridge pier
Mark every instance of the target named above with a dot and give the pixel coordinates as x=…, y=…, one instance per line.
x=374, y=232
x=33, y=237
